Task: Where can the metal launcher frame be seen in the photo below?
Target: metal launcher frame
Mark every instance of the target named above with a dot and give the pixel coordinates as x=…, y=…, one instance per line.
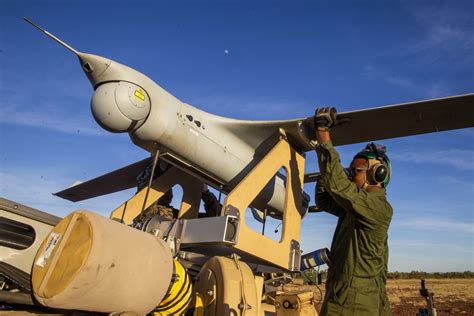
x=246, y=242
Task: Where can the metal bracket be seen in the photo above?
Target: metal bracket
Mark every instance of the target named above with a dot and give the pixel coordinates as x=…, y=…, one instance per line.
x=282, y=134
x=295, y=256
x=173, y=237
x=232, y=229
x=232, y=210
x=204, y=232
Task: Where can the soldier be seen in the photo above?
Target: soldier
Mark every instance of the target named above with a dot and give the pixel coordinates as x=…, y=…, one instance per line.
x=359, y=251
x=211, y=204
x=160, y=207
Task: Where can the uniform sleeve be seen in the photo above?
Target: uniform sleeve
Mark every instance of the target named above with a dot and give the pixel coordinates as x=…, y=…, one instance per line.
x=325, y=202
x=342, y=190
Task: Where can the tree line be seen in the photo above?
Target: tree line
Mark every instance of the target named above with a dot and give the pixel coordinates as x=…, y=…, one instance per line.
x=311, y=276
x=396, y=275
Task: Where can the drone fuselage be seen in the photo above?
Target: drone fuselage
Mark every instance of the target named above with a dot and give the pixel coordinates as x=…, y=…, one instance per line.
x=126, y=100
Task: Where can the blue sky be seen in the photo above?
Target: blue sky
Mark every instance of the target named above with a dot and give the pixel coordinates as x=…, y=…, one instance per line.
x=264, y=60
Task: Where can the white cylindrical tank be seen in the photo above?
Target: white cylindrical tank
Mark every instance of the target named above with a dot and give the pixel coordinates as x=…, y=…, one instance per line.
x=89, y=262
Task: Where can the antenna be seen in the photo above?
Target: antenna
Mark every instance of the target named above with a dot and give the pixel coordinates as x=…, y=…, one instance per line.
x=51, y=36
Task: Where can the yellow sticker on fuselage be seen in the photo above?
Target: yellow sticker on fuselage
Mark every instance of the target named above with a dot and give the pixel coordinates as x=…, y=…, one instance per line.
x=139, y=94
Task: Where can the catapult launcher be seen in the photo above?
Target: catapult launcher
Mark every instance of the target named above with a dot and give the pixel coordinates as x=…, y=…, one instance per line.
x=193, y=263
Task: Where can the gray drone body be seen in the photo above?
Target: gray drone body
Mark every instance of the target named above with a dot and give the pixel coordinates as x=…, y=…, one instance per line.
x=125, y=100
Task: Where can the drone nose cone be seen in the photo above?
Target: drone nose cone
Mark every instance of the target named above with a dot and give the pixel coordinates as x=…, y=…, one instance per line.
x=120, y=106
x=94, y=66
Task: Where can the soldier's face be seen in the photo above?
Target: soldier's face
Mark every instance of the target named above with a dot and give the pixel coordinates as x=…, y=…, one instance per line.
x=359, y=167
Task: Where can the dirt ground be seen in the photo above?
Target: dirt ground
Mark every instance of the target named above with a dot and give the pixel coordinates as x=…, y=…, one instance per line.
x=451, y=296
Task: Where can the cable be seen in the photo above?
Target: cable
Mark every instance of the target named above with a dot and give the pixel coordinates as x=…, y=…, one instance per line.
x=317, y=285
x=150, y=181
x=264, y=221
x=219, y=199
x=276, y=229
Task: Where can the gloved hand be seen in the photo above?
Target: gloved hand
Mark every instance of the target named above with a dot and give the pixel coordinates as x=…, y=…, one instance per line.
x=325, y=118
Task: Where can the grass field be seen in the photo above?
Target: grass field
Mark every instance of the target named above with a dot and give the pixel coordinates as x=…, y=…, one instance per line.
x=451, y=296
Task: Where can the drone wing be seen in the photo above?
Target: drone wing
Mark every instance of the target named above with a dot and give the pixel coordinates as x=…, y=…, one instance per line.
x=118, y=180
x=385, y=122
x=406, y=119
x=362, y=126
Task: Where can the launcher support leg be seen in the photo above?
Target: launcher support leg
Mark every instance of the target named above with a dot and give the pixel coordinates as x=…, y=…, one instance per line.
x=285, y=253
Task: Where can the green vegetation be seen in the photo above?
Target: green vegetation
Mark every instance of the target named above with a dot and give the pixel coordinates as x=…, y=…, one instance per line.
x=311, y=276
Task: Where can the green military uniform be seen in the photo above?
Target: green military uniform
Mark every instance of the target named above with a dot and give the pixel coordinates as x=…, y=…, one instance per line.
x=359, y=251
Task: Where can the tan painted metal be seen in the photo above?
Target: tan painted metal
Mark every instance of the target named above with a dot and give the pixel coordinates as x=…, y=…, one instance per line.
x=295, y=303
x=253, y=243
x=228, y=287
x=259, y=281
x=192, y=191
x=42, y=224
x=282, y=253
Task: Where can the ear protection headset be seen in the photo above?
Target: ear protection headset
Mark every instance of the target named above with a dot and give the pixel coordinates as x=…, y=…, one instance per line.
x=379, y=164
x=377, y=172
